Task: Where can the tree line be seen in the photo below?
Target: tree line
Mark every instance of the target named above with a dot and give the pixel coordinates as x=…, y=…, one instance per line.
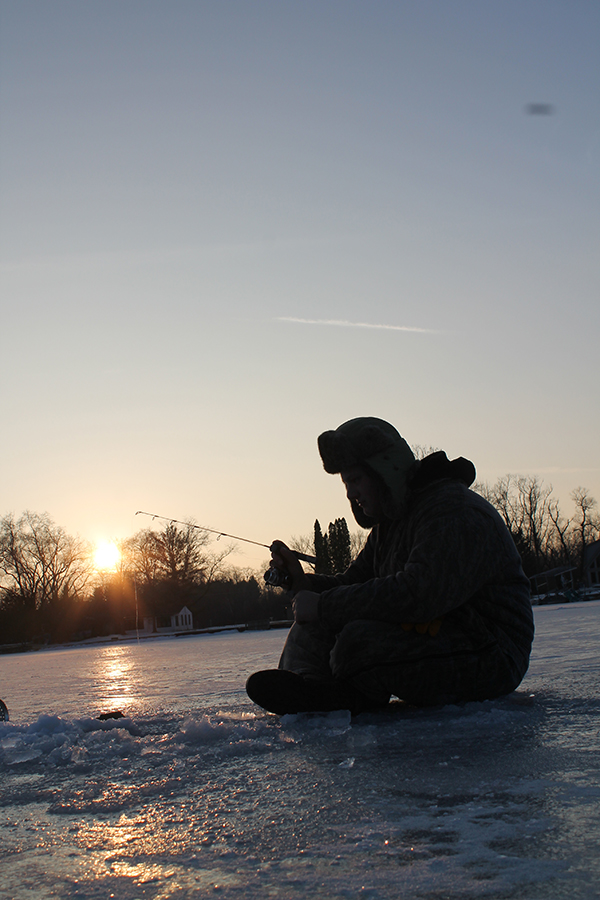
x=50, y=590
x=545, y=538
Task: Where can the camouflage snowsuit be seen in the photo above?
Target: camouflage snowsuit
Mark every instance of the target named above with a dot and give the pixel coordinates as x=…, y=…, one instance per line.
x=450, y=558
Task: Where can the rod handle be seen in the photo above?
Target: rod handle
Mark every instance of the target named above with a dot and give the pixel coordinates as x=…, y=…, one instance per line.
x=305, y=557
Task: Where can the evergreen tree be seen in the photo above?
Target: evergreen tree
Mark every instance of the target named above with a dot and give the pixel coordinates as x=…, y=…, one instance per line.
x=332, y=549
x=323, y=564
x=339, y=546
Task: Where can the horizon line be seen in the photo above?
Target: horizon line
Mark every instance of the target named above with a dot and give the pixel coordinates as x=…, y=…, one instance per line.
x=343, y=323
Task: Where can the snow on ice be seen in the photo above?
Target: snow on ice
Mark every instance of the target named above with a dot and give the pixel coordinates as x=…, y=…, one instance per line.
x=196, y=792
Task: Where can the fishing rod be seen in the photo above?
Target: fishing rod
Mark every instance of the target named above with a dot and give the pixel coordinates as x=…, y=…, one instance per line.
x=303, y=556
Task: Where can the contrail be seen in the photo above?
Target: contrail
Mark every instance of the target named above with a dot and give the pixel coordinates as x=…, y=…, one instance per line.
x=342, y=323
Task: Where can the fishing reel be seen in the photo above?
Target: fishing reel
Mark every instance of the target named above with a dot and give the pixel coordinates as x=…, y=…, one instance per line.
x=276, y=578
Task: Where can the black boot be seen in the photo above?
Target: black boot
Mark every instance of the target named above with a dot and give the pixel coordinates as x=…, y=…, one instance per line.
x=282, y=692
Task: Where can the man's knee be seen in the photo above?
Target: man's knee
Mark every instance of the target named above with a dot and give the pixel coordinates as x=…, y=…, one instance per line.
x=307, y=650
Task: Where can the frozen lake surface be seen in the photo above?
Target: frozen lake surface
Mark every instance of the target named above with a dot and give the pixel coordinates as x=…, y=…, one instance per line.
x=198, y=793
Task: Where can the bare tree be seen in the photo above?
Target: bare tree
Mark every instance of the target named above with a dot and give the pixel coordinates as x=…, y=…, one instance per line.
x=531, y=515
x=421, y=451
x=586, y=522
x=40, y=562
x=303, y=543
x=175, y=555
x=544, y=538
x=587, y=519
x=535, y=503
x=563, y=535
x=358, y=539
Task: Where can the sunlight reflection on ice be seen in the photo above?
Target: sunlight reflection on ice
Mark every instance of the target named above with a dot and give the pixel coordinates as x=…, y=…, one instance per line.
x=114, y=673
x=196, y=791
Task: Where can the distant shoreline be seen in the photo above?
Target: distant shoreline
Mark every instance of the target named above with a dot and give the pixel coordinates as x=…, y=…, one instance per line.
x=134, y=637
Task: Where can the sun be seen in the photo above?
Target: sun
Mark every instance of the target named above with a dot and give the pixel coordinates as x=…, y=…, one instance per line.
x=106, y=555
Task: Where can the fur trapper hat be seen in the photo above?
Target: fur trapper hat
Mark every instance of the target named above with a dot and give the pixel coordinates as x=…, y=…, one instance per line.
x=376, y=445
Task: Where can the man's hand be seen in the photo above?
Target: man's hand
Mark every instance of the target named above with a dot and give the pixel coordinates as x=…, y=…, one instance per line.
x=306, y=607
x=285, y=560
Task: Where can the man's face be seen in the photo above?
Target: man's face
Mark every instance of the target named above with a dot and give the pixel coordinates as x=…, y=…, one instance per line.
x=364, y=489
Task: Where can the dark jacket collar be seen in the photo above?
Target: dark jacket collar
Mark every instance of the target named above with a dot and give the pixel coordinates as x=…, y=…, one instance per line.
x=436, y=467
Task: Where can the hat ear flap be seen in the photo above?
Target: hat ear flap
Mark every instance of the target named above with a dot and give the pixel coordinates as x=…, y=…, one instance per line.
x=335, y=452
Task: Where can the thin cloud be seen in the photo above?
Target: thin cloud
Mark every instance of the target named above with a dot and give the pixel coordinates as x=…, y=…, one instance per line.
x=342, y=323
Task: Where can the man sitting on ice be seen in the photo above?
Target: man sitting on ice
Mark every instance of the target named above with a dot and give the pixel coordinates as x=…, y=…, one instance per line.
x=435, y=609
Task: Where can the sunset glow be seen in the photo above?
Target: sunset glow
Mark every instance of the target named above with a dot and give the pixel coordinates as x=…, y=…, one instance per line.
x=417, y=193
x=106, y=555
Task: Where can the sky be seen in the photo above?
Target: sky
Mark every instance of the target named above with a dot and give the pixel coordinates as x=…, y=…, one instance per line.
x=229, y=226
